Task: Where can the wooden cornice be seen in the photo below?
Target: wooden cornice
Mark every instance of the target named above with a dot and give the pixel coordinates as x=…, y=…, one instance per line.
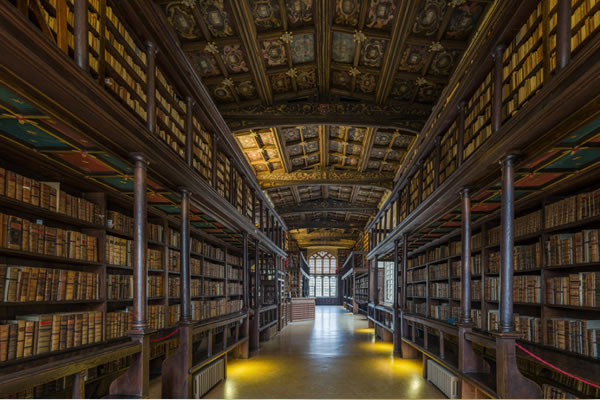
x=247, y=32
x=329, y=205
x=329, y=176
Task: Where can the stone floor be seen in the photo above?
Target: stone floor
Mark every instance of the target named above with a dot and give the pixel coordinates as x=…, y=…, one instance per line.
x=333, y=357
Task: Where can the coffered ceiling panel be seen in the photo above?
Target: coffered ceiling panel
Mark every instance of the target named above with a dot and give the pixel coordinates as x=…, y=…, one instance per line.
x=325, y=96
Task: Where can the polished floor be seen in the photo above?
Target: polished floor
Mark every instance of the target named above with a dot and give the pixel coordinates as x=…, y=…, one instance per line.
x=333, y=357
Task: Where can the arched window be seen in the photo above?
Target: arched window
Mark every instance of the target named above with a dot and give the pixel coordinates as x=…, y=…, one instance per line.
x=323, y=270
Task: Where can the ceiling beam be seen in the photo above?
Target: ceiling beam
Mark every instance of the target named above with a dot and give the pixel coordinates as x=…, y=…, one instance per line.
x=247, y=31
x=329, y=205
x=368, y=145
x=393, y=55
x=280, y=143
x=323, y=14
x=326, y=176
x=317, y=223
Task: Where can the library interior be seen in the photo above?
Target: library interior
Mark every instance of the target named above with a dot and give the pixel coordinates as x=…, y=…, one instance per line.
x=299, y=199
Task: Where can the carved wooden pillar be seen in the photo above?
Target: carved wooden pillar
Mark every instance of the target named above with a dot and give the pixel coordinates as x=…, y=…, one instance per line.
x=189, y=140
x=497, y=82
x=563, y=34
x=509, y=381
x=80, y=34
x=151, y=51
x=255, y=328
x=135, y=382
x=376, y=281
x=397, y=330
x=465, y=298
x=176, y=379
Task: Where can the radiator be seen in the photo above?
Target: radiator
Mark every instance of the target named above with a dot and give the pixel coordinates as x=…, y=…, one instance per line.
x=443, y=379
x=208, y=377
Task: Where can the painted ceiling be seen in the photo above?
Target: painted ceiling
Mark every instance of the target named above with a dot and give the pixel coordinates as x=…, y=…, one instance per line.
x=273, y=65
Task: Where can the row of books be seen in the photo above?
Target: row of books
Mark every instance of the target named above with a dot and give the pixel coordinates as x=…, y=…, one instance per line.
x=419, y=290
x=47, y=195
x=526, y=289
x=32, y=284
x=523, y=61
x=456, y=268
x=202, y=150
x=162, y=79
x=174, y=260
x=119, y=251
x=448, y=159
x=22, y=234
x=174, y=286
x=529, y=327
x=415, y=275
x=476, y=265
x=125, y=35
x=29, y=335
x=456, y=290
x=444, y=312
x=523, y=226
x=213, y=270
x=212, y=288
x=214, y=308
x=438, y=289
x=124, y=94
x=587, y=22
x=123, y=223
x=532, y=21
x=479, y=108
x=207, y=249
x=173, y=238
x=572, y=209
x=438, y=271
x=573, y=248
x=236, y=274
x=525, y=258
x=580, y=289
x=120, y=287
x=236, y=289
x=576, y=335
x=416, y=307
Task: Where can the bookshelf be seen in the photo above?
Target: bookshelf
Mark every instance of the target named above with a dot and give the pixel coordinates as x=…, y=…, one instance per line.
x=170, y=114
x=449, y=152
x=202, y=153
x=478, y=116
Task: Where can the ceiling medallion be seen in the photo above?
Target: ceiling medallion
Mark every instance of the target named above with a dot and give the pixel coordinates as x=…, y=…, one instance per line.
x=287, y=37
x=436, y=46
x=359, y=36
x=189, y=3
x=212, y=48
x=292, y=73
x=228, y=82
x=422, y=81
x=354, y=71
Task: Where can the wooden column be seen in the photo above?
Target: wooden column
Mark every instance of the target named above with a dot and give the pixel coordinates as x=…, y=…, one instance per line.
x=397, y=330
x=189, y=126
x=150, y=86
x=176, y=379
x=135, y=382
x=254, y=208
x=506, y=245
x=245, y=268
x=376, y=281
x=509, y=381
x=465, y=298
x=80, y=34
x=497, y=82
x=460, y=126
x=255, y=328
x=563, y=34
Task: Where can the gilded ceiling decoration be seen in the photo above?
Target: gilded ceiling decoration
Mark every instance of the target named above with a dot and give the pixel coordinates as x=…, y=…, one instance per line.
x=325, y=89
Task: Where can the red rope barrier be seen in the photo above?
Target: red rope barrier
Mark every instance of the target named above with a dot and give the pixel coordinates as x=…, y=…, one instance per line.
x=164, y=337
x=556, y=368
